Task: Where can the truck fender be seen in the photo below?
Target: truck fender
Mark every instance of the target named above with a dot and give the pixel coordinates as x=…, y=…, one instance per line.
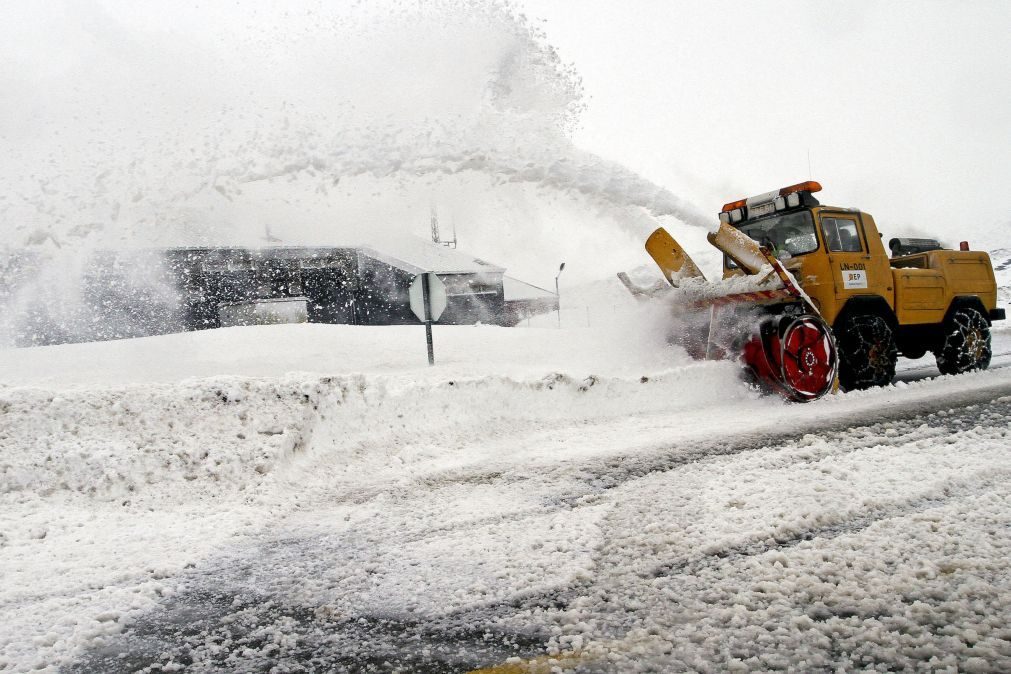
x=861, y=305
x=968, y=301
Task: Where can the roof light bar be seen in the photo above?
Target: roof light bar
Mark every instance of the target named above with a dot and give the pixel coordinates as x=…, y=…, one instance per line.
x=808, y=186
x=734, y=204
x=787, y=197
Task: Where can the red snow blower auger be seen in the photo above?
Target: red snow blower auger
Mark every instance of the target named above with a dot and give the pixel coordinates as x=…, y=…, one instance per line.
x=758, y=314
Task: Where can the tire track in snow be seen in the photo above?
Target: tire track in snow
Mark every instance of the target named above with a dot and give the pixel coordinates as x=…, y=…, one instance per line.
x=938, y=417
x=595, y=477
x=979, y=483
x=628, y=591
x=560, y=605
x=559, y=600
x=614, y=472
x=999, y=361
x=599, y=474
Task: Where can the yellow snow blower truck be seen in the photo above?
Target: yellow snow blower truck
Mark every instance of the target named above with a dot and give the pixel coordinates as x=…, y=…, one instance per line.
x=810, y=297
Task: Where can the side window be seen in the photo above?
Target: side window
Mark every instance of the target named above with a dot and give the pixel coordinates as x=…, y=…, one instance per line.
x=841, y=235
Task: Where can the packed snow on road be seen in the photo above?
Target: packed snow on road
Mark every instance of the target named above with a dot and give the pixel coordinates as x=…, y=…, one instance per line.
x=309, y=497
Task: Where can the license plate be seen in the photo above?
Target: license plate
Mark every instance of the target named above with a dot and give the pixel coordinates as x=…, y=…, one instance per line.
x=759, y=210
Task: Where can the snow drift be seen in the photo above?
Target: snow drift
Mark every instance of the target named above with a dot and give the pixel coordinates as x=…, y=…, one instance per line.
x=193, y=439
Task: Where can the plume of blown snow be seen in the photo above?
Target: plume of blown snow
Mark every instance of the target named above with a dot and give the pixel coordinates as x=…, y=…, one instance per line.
x=308, y=121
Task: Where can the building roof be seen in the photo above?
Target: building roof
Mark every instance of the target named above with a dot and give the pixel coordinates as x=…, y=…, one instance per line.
x=417, y=255
x=410, y=253
x=520, y=290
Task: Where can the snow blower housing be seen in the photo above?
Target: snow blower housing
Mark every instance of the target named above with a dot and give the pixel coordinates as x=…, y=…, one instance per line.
x=809, y=294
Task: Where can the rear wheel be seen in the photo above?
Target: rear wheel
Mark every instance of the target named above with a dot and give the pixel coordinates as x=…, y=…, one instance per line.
x=966, y=342
x=867, y=352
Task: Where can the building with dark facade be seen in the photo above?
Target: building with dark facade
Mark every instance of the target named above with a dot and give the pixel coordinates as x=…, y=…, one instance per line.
x=148, y=292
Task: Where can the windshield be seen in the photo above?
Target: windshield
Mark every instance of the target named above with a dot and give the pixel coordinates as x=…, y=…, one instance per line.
x=786, y=235
x=792, y=233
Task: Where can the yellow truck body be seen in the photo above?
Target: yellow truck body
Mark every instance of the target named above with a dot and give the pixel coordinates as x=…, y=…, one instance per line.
x=919, y=289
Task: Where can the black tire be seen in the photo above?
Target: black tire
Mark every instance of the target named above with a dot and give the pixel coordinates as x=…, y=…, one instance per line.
x=867, y=352
x=966, y=344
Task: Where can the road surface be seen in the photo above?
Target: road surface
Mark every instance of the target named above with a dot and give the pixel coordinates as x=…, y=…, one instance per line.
x=872, y=536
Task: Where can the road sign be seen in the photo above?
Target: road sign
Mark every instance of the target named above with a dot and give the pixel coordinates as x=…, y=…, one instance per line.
x=428, y=301
x=436, y=297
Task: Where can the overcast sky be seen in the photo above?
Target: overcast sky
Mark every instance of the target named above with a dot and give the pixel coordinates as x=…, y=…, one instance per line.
x=905, y=107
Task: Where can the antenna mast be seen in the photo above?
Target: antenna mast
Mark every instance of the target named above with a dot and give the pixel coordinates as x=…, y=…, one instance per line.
x=436, y=237
x=435, y=223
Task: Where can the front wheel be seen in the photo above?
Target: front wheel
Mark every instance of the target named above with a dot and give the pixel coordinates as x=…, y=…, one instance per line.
x=867, y=352
x=966, y=342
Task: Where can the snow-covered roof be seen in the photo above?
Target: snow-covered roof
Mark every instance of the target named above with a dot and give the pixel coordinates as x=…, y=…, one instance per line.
x=417, y=255
x=520, y=290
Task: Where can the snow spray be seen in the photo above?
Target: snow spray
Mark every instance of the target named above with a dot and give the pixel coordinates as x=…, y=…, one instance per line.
x=308, y=123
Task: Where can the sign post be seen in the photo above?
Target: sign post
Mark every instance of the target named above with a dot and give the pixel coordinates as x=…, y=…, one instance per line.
x=427, y=292
x=428, y=301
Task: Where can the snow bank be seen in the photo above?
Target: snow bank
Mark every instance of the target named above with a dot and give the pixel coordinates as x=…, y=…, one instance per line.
x=191, y=438
x=633, y=342
x=113, y=443
x=178, y=415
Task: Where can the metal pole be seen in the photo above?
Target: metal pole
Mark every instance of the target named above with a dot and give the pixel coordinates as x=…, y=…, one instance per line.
x=558, y=303
x=428, y=318
x=558, y=297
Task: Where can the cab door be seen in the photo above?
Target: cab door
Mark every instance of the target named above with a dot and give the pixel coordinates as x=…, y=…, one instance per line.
x=854, y=270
